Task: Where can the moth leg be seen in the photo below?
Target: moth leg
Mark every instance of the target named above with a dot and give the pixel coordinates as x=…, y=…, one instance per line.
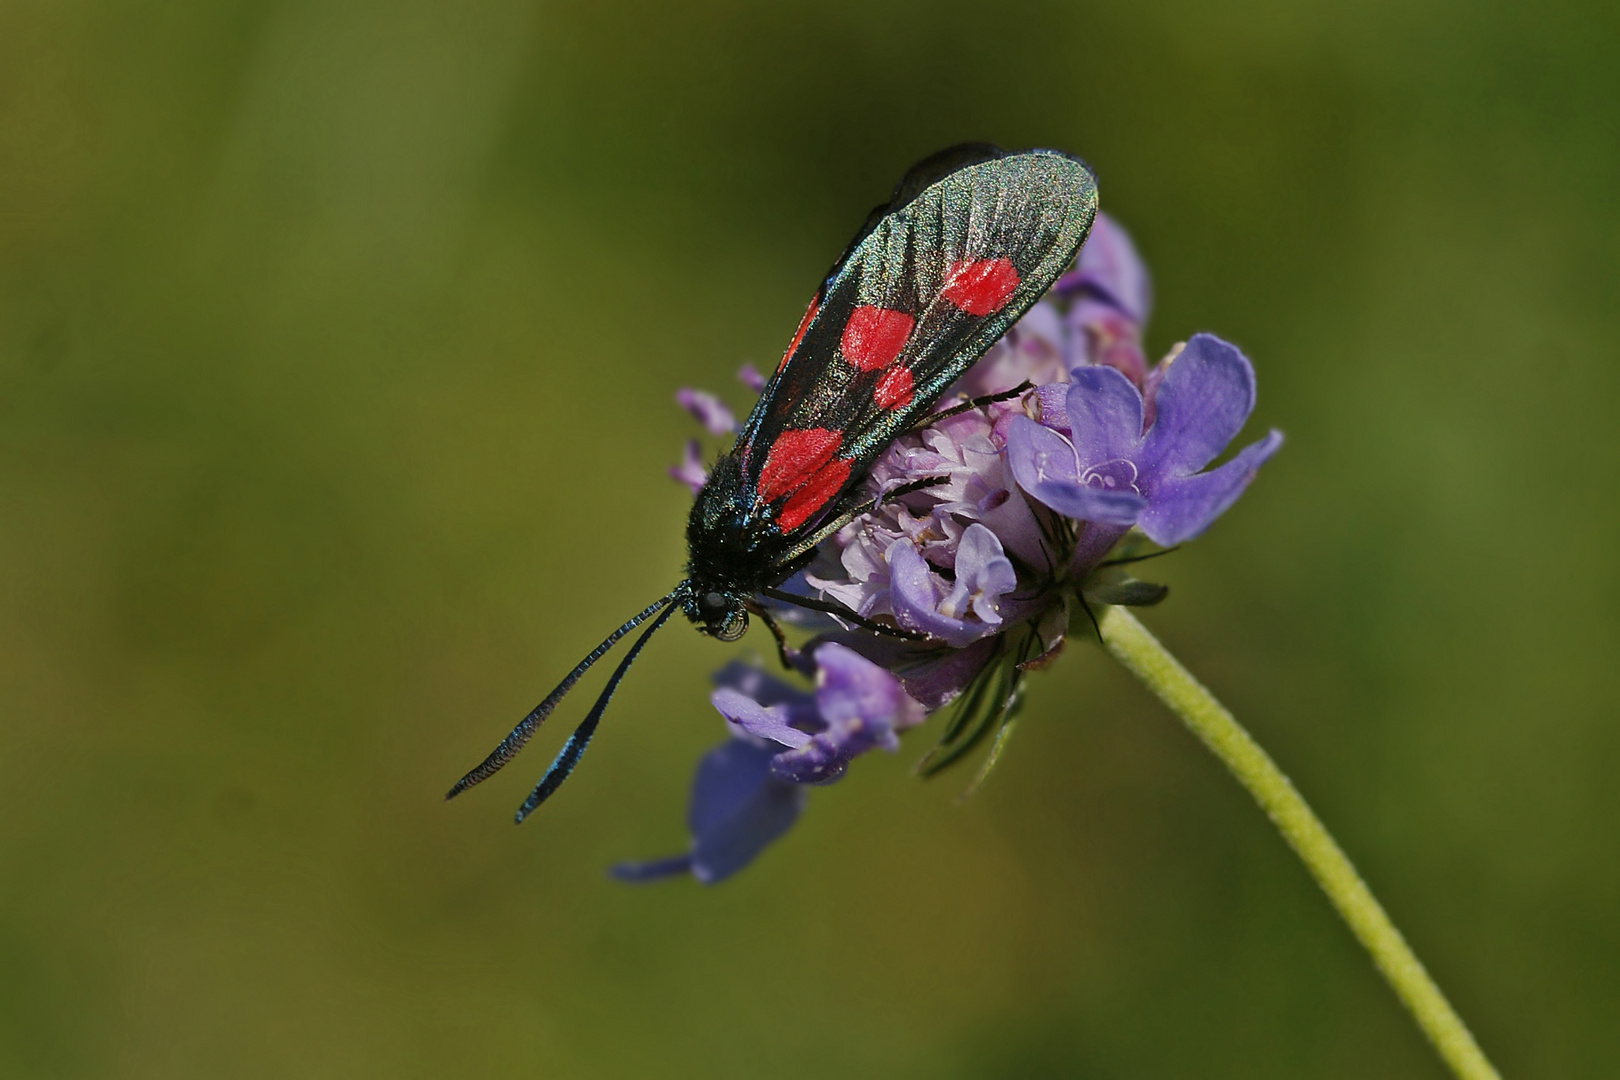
x=1139, y=558
x=784, y=652
x=974, y=403
x=842, y=612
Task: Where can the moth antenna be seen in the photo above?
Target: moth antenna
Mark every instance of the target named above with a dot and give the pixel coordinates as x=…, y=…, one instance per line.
x=569, y=755
x=509, y=746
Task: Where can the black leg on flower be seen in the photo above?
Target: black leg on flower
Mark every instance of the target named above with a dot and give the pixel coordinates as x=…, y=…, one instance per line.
x=814, y=540
x=1092, y=615
x=842, y=612
x=784, y=652
x=975, y=403
x=1139, y=558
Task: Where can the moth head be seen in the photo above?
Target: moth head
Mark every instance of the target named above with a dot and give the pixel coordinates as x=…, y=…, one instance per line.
x=719, y=614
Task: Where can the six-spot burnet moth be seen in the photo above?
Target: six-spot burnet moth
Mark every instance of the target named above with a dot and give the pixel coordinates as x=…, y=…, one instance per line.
x=970, y=239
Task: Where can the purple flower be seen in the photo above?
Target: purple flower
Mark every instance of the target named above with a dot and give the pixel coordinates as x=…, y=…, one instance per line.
x=1112, y=472
x=857, y=706
x=992, y=561
x=861, y=567
x=748, y=791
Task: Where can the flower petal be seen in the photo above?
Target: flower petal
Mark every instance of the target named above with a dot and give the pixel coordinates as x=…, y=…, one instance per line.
x=747, y=717
x=984, y=571
x=915, y=599
x=765, y=688
x=1184, y=506
x=690, y=471
x=709, y=410
x=1105, y=415
x=931, y=675
x=850, y=688
x=1110, y=269
x=1044, y=465
x=1201, y=404
x=637, y=873
x=737, y=809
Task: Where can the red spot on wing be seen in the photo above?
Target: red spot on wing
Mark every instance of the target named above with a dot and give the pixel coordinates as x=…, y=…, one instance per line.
x=980, y=286
x=874, y=336
x=893, y=391
x=794, y=459
x=798, y=335
x=814, y=494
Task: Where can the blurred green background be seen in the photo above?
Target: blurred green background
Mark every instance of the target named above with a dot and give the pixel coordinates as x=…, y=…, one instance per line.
x=337, y=345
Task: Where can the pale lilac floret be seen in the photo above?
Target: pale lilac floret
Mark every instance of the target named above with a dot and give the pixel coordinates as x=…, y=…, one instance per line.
x=690, y=471
x=709, y=410
x=958, y=612
x=918, y=539
x=1110, y=471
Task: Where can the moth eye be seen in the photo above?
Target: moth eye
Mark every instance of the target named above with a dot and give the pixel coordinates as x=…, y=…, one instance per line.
x=713, y=601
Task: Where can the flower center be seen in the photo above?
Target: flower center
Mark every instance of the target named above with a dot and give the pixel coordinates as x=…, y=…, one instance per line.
x=1116, y=475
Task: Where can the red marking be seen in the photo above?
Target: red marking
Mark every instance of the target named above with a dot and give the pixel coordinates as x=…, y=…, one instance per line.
x=826, y=483
x=793, y=460
x=874, y=336
x=893, y=391
x=798, y=335
x=979, y=287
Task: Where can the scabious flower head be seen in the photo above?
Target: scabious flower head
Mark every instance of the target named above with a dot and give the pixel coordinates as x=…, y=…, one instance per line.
x=990, y=562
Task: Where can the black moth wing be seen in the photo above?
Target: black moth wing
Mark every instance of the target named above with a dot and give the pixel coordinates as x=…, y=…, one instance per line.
x=962, y=252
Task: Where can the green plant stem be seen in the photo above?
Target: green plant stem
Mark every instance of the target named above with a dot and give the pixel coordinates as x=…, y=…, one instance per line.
x=1133, y=646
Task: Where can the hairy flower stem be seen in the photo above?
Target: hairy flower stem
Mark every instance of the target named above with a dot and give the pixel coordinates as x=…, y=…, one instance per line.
x=1133, y=646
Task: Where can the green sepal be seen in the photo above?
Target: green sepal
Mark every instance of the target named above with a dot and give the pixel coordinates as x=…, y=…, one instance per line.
x=1112, y=585
x=984, y=707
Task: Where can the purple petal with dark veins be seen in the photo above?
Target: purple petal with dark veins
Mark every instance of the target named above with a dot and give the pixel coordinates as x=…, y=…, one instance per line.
x=1105, y=415
x=1044, y=465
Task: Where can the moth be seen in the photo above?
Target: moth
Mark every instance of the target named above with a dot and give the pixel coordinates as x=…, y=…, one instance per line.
x=971, y=237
